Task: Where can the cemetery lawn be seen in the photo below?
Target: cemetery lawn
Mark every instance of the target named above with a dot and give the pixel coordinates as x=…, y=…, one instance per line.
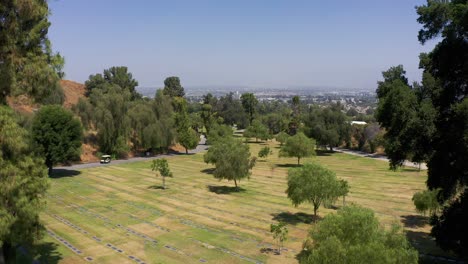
x=119, y=214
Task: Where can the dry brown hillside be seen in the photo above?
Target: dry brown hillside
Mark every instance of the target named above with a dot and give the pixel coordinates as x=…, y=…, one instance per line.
x=73, y=91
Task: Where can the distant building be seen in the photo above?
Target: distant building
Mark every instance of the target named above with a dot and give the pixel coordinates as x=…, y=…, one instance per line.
x=361, y=123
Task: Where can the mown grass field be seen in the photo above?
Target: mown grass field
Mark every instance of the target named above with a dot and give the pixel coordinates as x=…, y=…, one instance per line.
x=118, y=214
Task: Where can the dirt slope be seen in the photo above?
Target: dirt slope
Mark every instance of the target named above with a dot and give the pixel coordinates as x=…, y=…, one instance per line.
x=73, y=91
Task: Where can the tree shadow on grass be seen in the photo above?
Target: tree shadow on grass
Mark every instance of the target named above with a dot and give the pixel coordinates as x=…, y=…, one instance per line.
x=157, y=187
x=297, y=218
x=43, y=252
x=225, y=189
x=60, y=173
x=208, y=171
x=289, y=165
x=324, y=153
x=414, y=221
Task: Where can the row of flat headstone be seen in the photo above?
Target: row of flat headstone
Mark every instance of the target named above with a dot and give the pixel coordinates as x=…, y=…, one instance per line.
x=68, y=223
x=97, y=239
x=129, y=231
x=67, y=244
x=227, y=251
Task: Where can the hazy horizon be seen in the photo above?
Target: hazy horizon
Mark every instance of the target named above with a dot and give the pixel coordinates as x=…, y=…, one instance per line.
x=261, y=44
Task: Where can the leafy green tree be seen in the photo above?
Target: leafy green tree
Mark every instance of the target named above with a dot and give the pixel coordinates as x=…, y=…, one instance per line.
x=328, y=126
x=343, y=190
x=161, y=166
x=265, y=152
x=24, y=182
x=173, y=88
x=312, y=183
x=188, y=139
x=282, y=137
x=57, y=135
x=231, y=159
x=353, y=235
x=111, y=104
x=141, y=116
x=28, y=65
x=208, y=117
x=397, y=112
x=427, y=201
x=280, y=233
x=249, y=103
x=228, y=108
x=298, y=146
x=119, y=76
x=219, y=132
x=257, y=130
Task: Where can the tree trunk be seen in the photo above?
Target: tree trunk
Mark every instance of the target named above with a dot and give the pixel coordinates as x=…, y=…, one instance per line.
x=344, y=202
x=50, y=169
x=164, y=182
x=186, y=150
x=235, y=183
x=315, y=213
x=331, y=148
x=9, y=253
x=298, y=161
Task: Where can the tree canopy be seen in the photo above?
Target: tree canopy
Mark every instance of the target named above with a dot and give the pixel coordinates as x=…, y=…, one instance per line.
x=28, y=65
x=173, y=88
x=299, y=146
x=249, y=103
x=161, y=166
x=57, y=135
x=312, y=183
x=231, y=159
x=352, y=235
x=23, y=181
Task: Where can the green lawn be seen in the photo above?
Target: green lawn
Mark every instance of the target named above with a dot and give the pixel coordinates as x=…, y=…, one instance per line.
x=118, y=214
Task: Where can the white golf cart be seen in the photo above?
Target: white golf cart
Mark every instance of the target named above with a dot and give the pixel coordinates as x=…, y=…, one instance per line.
x=105, y=158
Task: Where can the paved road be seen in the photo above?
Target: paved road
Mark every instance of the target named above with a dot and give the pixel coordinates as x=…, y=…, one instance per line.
x=201, y=147
x=379, y=157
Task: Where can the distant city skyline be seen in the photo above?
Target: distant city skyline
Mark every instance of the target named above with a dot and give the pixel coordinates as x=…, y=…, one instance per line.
x=262, y=44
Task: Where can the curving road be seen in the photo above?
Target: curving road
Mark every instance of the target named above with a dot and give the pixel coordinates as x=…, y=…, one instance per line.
x=201, y=147
x=379, y=157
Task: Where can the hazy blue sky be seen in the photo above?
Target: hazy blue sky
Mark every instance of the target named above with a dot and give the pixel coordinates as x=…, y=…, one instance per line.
x=269, y=43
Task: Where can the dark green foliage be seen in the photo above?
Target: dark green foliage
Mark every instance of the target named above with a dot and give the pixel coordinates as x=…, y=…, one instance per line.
x=219, y=132
x=450, y=227
x=231, y=159
x=28, y=65
x=257, y=130
x=298, y=146
x=328, y=126
x=313, y=184
x=23, y=181
x=111, y=105
x=162, y=167
x=119, y=76
x=353, y=235
x=427, y=201
x=249, y=103
x=228, y=108
x=409, y=123
x=173, y=88
x=57, y=135
x=280, y=233
x=265, y=152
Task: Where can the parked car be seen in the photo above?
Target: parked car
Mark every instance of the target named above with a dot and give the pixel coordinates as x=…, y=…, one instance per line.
x=105, y=158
